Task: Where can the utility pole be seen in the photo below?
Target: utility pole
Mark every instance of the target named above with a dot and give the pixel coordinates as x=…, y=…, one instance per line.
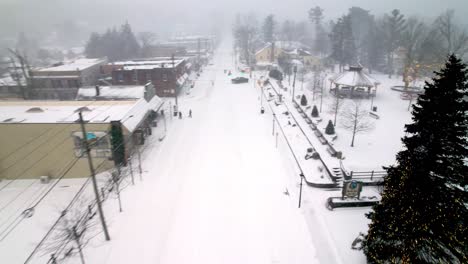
x=321, y=95
x=174, y=73
x=139, y=163
x=300, y=189
x=294, y=82
x=93, y=177
x=274, y=115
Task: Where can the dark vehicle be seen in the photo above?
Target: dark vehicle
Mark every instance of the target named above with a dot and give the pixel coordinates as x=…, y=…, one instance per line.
x=240, y=80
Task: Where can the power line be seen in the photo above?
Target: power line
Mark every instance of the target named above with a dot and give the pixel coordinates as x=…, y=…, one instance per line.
x=8, y=230
x=49, y=130
x=40, y=145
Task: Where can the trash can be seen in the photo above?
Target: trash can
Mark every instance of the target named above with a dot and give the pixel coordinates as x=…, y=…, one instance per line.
x=262, y=110
x=374, y=108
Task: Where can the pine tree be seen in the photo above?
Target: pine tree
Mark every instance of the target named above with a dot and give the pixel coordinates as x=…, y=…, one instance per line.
x=130, y=47
x=117, y=143
x=269, y=28
x=343, y=47
x=330, y=129
x=423, y=215
x=303, y=100
x=321, y=38
x=394, y=25
x=315, y=112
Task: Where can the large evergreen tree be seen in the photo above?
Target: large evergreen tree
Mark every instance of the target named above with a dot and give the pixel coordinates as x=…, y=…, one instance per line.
x=394, y=25
x=113, y=44
x=423, y=215
x=321, y=38
x=268, y=28
x=343, y=48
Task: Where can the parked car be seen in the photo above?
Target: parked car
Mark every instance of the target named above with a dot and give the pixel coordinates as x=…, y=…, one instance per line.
x=240, y=80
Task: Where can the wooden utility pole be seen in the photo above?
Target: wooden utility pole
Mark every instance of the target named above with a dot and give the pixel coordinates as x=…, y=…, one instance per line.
x=174, y=72
x=93, y=177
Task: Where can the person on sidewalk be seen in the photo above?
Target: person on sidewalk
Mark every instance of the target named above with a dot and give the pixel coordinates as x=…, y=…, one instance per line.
x=180, y=115
x=190, y=113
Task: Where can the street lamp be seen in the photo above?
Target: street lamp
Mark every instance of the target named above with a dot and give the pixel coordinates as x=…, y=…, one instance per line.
x=294, y=82
x=300, y=189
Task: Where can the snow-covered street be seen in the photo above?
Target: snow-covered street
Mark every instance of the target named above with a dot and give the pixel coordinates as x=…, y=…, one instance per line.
x=214, y=191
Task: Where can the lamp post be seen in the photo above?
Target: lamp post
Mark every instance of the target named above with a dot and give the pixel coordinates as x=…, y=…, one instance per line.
x=274, y=115
x=300, y=189
x=294, y=82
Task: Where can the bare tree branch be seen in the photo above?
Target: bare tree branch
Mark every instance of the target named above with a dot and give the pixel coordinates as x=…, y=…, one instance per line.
x=355, y=119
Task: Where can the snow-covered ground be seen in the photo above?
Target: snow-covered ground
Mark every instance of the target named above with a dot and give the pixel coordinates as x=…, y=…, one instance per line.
x=379, y=146
x=217, y=189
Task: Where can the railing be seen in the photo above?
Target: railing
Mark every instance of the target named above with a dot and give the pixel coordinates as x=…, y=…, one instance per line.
x=372, y=176
x=302, y=130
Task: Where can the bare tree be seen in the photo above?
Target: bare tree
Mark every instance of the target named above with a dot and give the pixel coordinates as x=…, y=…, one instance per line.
x=25, y=67
x=411, y=40
x=146, y=40
x=74, y=231
x=356, y=119
x=456, y=39
x=335, y=106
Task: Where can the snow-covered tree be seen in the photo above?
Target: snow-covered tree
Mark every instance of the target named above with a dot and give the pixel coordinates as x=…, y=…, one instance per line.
x=355, y=119
x=423, y=214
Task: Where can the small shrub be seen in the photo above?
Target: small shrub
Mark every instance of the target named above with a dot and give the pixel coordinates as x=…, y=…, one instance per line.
x=303, y=100
x=276, y=74
x=315, y=112
x=330, y=129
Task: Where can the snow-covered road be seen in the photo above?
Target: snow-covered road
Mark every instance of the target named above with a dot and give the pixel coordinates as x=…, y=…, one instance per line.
x=213, y=191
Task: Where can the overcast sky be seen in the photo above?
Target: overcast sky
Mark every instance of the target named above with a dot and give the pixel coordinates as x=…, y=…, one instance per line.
x=175, y=15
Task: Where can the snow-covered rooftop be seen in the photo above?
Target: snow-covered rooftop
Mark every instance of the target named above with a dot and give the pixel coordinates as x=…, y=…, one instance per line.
x=130, y=112
x=77, y=65
x=354, y=77
x=112, y=92
x=149, y=64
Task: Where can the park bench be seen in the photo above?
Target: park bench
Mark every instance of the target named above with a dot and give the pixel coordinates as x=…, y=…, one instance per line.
x=374, y=115
x=318, y=133
x=323, y=140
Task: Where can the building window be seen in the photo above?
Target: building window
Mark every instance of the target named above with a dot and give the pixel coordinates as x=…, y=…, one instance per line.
x=98, y=142
x=56, y=84
x=120, y=77
x=135, y=75
x=148, y=76
x=164, y=77
x=73, y=84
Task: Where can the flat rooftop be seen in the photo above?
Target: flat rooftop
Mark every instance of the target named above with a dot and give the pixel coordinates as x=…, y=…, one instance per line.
x=77, y=65
x=129, y=112
x=148, y=64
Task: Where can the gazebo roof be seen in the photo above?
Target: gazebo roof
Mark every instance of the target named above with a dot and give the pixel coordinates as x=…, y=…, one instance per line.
x=354, y=77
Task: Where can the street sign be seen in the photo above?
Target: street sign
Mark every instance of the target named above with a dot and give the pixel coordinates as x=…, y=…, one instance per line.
x=351, y=189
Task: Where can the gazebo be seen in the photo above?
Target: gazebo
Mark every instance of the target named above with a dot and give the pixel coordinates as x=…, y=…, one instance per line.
x=354, y=83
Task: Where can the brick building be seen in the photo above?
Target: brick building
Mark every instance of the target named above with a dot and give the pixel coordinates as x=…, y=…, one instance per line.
x=168, y=76
x=62, y=81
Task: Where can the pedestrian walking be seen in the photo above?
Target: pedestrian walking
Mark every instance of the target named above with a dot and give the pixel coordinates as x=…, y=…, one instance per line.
x=180, y=115
x=190, y=113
